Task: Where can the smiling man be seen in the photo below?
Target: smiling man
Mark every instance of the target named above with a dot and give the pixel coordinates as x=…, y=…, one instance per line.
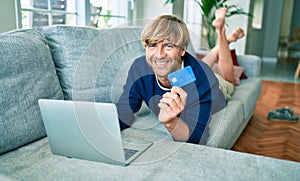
x=184, y=111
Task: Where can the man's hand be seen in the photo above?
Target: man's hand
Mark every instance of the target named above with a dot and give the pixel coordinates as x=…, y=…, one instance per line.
x=170, y=106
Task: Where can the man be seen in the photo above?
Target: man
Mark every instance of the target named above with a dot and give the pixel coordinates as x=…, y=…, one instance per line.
x=185, y=111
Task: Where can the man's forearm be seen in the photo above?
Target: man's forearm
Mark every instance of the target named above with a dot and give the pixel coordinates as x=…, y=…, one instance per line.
x=178, y=129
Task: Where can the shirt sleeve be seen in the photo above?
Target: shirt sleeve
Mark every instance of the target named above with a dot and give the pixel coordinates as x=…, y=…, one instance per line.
x=130, y=101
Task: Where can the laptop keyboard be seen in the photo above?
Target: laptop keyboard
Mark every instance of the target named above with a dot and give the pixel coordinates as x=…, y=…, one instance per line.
x=129, y=153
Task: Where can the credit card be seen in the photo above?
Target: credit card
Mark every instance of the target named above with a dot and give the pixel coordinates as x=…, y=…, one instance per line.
x=182, y=77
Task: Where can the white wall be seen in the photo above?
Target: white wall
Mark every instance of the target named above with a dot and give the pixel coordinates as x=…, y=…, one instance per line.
x=150, y=9
x=239, y=21
x=193, y=19
x=7, y=15
x=154, y=8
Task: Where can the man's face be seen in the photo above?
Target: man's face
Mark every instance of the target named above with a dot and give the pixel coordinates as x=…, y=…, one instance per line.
x=164, y=57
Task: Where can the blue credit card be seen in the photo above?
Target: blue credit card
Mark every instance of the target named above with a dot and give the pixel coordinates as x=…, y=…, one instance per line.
x=182, y=77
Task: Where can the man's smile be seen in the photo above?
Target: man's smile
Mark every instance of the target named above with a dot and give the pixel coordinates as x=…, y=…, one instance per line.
x=160, y=63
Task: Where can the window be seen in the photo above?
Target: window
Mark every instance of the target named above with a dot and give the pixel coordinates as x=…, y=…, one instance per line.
x=258, y=14
x=107, y=13
x=193, y=18
x=36, y=13
x=97, y=13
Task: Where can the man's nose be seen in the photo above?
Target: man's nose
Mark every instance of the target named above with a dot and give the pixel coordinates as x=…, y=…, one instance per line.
x=160, y=52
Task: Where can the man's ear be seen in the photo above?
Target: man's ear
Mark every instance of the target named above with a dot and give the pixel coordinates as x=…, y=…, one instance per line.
x=183, y=50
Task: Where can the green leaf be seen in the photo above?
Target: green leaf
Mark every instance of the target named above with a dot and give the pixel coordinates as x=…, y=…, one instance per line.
x=236, y=10
x=207, y=6
x=169, y=1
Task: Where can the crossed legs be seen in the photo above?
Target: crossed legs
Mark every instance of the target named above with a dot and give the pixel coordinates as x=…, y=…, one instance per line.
x=219, y=58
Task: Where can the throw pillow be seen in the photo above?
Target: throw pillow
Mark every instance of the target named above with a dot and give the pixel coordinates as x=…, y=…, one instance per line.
x=93, y=67
x=27, y=74
x=235, y=62
x=238, y=70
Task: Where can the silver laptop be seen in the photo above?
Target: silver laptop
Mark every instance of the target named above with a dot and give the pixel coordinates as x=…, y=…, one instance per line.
x=88, y=130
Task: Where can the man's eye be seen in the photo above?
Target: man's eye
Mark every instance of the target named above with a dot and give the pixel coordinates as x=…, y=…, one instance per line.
x=169, y=46
x=152, y=45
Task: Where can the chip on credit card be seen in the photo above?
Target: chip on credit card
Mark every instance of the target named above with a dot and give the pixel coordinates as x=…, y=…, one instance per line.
x=182, y=77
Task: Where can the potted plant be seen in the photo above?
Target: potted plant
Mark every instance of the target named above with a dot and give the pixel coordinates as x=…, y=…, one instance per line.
x=208, y=8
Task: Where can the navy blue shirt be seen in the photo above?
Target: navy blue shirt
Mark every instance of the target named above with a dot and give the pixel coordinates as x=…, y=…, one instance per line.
x=204, y=96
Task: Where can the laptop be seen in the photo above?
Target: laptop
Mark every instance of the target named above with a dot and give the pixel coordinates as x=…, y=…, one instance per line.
x=88, y=130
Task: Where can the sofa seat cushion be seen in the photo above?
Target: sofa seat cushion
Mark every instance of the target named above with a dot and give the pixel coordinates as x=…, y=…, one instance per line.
x=92, y=63
x=247, y=93
x=27, y=73
x=184, y=161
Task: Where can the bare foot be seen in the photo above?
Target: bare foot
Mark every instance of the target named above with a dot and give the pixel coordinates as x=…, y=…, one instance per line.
x=220, y=18
x=237, y=34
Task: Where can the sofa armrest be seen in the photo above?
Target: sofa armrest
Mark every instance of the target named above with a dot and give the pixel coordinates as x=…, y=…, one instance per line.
x=251, y=63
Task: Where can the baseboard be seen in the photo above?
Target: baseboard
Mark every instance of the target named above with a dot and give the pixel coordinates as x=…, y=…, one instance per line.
x=269, y=59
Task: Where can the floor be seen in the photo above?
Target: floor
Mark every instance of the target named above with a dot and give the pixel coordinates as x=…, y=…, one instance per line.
x=270, y=138
x=282, y=70
x=277, y=139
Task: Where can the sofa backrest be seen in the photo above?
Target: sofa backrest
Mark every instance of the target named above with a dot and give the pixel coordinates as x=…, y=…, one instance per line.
x=92, y=64
x=27, y=74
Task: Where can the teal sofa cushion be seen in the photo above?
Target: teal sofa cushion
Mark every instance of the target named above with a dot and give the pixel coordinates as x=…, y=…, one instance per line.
x=247, y=93
x=92, y=64
x=27, y=73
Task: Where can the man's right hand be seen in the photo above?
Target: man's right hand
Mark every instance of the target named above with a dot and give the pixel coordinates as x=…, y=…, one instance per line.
x=172, y=104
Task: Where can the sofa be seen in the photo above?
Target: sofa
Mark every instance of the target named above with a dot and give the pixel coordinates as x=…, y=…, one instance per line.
x=88, y=64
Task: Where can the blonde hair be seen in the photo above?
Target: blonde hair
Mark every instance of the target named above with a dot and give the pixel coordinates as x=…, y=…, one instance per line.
x=166, y=27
